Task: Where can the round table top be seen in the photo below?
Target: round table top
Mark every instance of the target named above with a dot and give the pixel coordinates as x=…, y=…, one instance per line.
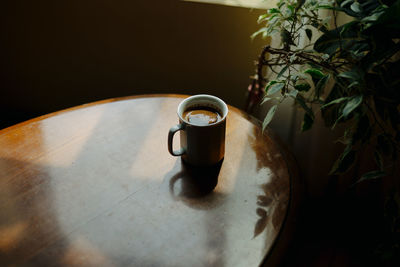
x=95, y=186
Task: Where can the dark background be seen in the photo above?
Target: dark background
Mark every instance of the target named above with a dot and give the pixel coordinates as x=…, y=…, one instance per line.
x=59, y=54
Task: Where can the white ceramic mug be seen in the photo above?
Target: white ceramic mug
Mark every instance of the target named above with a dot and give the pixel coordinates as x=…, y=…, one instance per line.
x=200, y=144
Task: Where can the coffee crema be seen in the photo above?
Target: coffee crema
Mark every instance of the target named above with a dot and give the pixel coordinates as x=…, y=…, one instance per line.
x=201, y=116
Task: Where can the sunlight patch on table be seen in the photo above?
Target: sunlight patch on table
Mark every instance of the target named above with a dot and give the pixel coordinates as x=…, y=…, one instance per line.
x=153, y=154
x=81, y=124
x=81, y=252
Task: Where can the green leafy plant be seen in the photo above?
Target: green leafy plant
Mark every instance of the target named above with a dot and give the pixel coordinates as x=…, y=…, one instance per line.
x=348, y=73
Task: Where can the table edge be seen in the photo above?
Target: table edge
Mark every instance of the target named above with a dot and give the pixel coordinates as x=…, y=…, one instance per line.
x=89, y=104
x=116, y=99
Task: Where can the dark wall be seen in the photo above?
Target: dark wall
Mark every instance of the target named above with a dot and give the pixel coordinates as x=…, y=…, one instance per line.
x=58, y=54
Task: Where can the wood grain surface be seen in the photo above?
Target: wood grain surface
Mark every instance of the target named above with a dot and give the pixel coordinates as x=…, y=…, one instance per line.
x=95, y=186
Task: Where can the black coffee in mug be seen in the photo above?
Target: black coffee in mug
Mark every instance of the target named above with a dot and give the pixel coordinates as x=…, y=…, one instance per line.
x=201, y=116
x=202, y=124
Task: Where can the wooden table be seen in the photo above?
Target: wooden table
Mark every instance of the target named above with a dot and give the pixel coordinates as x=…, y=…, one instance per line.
x=95, y=186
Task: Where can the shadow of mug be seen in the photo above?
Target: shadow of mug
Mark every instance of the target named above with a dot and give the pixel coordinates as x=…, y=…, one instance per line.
x=194, y=185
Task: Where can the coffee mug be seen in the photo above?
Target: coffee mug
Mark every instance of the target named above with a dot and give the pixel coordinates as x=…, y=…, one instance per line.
x=202, y=122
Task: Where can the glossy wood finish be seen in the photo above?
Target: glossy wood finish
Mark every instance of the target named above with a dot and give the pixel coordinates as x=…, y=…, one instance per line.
x=96, y=186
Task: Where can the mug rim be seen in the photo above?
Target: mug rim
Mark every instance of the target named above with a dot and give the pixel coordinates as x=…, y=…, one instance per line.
x=217, y=99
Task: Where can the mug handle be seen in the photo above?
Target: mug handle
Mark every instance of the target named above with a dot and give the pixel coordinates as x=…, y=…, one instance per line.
x=172, y=131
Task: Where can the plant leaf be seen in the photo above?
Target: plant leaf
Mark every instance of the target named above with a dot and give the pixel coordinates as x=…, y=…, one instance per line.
x=283, y=70
x=371, y=175
x=299, y=75
x=286, y=37
x=352, y=75
x=269, y=117
x=329, y=7
x=265, y=100
x=332, y=40
x=344, y=162
x=321, y=85
x=353, y=84
x=331, y=114
x=309, y=34
x=336, y=122
x=351, y=105
x=303, y=87
x=262, y=30
x=261, y=18
x=319, y=26
x=293, y=93
x=274, y=11
x=275, y=88
x=289, y=11
x=300, y=100
x=292, y=58
x=316, y=74
x=344, y=3
x=336, y=101
x=356, y=7
x=373, y=17
x=269, y=84
x=307, y=122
